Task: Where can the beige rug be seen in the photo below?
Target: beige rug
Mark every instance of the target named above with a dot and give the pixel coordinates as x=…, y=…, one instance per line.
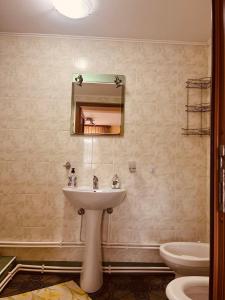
x=64, y=291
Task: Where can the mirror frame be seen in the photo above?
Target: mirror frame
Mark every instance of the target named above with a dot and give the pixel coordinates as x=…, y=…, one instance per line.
x=95, y=78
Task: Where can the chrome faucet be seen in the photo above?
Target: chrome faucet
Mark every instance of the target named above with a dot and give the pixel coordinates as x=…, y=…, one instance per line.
x=95, y=182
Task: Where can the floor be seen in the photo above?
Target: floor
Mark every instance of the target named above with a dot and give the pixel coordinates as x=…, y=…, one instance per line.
x=115, y=287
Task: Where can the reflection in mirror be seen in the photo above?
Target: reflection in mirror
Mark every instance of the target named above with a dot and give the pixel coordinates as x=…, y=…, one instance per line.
x=97, y=104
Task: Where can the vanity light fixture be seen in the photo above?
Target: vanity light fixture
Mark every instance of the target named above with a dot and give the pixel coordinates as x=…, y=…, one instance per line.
x=79, y=79
x=75, y=9
x=118, y=81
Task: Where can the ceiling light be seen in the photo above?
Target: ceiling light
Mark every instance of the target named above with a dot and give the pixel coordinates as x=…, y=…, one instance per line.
x=74, y=9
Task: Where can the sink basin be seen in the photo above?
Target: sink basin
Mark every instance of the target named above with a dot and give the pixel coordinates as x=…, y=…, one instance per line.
x=87, y=198
x=93, y=202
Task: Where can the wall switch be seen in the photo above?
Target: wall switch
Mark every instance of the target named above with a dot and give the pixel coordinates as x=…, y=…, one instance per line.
x=132, y=166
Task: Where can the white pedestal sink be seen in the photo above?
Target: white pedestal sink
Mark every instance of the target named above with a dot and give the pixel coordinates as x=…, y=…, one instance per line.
x=94, y=202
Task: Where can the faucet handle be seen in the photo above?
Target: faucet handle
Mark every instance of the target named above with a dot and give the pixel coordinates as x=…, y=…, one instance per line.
x=95, y=179
x=95, y=182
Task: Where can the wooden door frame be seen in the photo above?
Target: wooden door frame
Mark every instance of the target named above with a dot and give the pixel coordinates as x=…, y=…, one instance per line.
x=217, y=276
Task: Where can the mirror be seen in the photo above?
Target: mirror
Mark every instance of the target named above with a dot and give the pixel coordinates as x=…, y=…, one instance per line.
x=97, y=106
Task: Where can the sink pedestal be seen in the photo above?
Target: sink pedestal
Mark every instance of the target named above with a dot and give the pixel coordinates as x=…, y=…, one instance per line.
x=94, y=202
x=91, y=275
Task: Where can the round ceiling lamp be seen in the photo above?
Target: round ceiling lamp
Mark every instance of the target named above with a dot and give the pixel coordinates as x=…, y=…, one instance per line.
x=74, y=9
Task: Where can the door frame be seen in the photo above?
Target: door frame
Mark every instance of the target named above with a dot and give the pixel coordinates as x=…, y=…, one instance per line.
x=217, y=219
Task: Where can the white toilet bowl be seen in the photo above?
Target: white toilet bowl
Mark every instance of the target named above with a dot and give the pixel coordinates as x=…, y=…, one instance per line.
x=186, y=258
x=188, y=288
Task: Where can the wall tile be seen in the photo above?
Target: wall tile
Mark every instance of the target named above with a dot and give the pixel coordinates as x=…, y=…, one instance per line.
x=167, y=198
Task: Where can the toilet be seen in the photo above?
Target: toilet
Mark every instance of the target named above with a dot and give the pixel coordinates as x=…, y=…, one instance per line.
x=188, y=288
x=186, y=258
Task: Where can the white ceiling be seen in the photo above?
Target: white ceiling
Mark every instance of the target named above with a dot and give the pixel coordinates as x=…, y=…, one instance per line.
x=176, y=20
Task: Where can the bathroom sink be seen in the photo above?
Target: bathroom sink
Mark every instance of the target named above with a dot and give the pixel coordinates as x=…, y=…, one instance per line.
x=99, y=199
x=93, y=202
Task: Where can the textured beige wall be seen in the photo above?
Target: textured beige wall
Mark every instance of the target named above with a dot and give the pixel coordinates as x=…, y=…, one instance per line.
x=166, y=197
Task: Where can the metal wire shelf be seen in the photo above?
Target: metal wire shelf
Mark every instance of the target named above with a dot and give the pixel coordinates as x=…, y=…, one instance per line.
x=200, y=83
x=202, y=107
x=196, y=131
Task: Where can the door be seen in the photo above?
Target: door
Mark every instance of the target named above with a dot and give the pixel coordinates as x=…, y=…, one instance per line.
x=217, y=278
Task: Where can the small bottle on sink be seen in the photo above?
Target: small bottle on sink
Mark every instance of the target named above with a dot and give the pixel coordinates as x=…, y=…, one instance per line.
x=72, y=178
x=115, y=182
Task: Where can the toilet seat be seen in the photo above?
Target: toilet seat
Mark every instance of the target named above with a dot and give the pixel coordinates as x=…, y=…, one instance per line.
x=181, y=288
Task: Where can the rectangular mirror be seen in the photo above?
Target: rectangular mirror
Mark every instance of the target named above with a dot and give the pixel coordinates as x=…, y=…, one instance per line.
x=97, y=106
